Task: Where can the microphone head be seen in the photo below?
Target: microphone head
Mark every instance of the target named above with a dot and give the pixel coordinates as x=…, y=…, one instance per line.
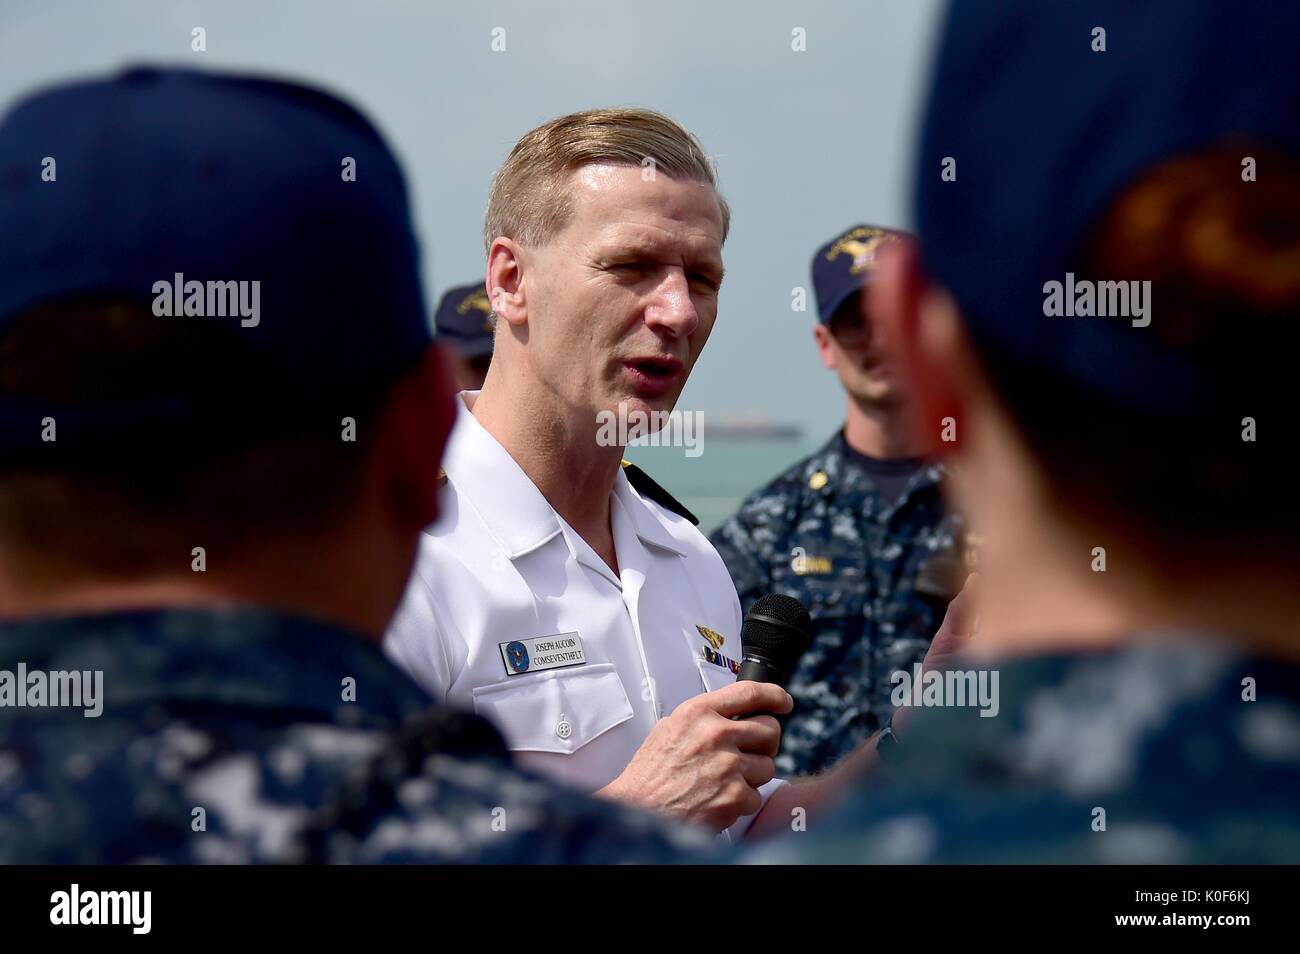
x=777, y=629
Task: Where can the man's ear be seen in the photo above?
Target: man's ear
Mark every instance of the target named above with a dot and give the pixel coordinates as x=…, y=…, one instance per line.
x=924, y=335
x=505, y=281
x=822, y=335
x=416, y=423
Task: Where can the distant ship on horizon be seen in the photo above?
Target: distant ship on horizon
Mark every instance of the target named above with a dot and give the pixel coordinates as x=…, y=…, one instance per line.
x=751, y=427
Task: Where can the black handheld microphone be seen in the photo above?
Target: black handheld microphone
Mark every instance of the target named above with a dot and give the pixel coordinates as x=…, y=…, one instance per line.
x=775, y=633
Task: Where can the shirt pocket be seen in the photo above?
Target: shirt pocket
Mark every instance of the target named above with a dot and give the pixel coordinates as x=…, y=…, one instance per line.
x=558, y=711
x=714, y=677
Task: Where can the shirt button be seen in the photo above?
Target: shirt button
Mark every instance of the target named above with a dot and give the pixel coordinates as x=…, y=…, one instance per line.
x=563, y=729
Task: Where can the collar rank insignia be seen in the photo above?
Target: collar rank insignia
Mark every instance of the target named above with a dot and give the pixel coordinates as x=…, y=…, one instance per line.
x=713, y=637
x=647, y=488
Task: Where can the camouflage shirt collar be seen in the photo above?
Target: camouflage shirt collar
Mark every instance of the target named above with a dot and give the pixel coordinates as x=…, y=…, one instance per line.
x=834, y=459
x=223, y=656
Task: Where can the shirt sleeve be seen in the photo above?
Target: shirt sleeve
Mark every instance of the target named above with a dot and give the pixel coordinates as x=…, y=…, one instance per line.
x=736, y=833
x=414, y=641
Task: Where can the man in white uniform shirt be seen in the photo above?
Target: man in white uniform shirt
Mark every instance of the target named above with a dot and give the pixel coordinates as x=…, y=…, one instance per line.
x=596, y=627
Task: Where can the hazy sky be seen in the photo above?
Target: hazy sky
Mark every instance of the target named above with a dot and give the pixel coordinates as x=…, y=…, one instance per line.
x=806, y=142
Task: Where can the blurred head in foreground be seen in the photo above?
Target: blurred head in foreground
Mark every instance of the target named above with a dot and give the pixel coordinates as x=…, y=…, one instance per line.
x=1100, y=322
x=202, y=391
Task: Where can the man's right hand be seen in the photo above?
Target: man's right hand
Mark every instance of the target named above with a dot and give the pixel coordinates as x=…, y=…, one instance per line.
x=702, y=766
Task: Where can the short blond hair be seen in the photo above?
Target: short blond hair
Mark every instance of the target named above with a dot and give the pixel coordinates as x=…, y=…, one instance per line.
x=529, y=201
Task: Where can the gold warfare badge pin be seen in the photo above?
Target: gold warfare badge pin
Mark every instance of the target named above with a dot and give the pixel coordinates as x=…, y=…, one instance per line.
x=713, y=637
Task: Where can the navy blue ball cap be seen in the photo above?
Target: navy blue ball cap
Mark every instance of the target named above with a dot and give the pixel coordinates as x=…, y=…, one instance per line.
x=842, y=267
x=159, y=185
x=1039, y=130
x=462, y=320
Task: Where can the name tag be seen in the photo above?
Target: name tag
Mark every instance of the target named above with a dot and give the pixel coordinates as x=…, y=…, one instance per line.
x=542, y=652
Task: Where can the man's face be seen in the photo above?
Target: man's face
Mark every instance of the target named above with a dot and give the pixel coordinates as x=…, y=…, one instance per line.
x=852, y=345
x=621, y=301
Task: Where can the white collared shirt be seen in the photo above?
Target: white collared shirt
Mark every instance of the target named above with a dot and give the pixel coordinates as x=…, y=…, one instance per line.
x=511, y=614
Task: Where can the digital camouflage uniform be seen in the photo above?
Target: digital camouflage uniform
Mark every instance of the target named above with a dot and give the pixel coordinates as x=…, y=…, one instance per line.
x=242, y=714
x=875, y=575
x=1153, y=754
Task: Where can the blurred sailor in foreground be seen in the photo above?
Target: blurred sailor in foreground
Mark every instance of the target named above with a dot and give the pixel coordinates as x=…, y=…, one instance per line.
x=463, y=326
x=857, y=532
x=220, y=422
x=1122, y=448
x=561, y=593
